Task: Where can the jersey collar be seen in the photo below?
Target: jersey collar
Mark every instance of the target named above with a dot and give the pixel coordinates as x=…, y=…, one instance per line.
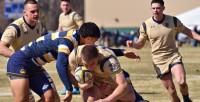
x=68, y=12
x=159, y=22
x=32, y=27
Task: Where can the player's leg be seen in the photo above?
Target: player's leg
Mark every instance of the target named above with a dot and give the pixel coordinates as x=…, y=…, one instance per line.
x=74, y=91
x=130, y=96
x=20, y=88
x=31, y=96
x=91, y=94
x=180, y=76
x=63, y=92
x=138, y=97
x=18, y=75
x=169, y=85
x=42, y=85
x=57, y=97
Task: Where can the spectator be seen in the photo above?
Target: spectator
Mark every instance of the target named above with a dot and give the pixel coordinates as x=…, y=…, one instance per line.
x=182, y=38
x=116, y=36
x=195, y=43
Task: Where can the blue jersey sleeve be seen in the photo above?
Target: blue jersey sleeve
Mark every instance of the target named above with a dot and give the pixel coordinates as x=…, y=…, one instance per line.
x=118, y=52
x=62, y=68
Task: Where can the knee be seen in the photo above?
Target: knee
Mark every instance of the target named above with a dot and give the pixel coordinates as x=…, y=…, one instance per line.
x=57, y=98
x=23, y=99
x=181, y=82
x=48, y=96
x=90, y=99
x=172, y=92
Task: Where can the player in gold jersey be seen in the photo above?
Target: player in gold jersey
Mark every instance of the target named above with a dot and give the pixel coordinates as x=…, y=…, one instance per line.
x=110, y=82
x=161, y=30
x=68, y=19
x=22, y=31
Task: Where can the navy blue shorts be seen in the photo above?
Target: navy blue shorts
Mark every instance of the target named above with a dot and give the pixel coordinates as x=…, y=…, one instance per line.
x=20, y=66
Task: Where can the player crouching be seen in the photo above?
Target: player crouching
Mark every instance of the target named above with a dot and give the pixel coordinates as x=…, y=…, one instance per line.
x=109, y=82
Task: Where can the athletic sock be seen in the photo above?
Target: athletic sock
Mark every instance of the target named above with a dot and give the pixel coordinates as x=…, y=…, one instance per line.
x=186, y=98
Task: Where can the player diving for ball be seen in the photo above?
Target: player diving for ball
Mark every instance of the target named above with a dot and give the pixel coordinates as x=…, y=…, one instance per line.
x=110, y=82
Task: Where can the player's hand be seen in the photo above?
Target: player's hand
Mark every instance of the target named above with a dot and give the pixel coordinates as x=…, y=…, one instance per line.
x=132, y=55
x=106, y=88
x=86, y=85
x=68, y=96
x=129, y=43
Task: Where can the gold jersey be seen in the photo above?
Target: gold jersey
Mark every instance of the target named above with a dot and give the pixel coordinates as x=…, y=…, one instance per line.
x=162, y=37
x=106, y=71
x=70, y=20
x=19, y=33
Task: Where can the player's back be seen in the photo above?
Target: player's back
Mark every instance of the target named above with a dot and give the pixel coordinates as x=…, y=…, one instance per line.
x=45, y=49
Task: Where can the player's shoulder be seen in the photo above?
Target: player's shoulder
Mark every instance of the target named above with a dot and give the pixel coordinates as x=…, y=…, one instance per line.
x=18, y=21
x=15, y=26
x=62, y=14
x=149, y=20
x=73, y=12
x=69, y=33
x=80, y=47
x=168, y=16
x=102, y=49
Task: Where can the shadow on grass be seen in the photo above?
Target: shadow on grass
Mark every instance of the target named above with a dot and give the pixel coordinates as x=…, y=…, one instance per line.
x=149, y=93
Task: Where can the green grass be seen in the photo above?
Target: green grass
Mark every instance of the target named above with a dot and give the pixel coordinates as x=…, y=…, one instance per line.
x=142, y=76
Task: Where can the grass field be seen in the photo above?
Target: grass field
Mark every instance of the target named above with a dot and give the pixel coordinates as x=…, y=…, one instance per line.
x=142, y=75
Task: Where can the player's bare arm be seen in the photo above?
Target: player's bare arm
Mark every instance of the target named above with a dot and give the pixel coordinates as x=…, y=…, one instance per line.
x=138, y=44
x=121, y=89
x=4, y=49
x=59, y=29
x=191, y=34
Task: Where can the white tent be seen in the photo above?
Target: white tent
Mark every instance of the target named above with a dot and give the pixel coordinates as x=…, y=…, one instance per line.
x=190, y=18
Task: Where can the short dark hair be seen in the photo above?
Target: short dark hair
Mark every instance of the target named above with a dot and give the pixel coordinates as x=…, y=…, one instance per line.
x=89, y=29
x=158, y=1
x=89, y=52
x=30, y=2
x=66, y=0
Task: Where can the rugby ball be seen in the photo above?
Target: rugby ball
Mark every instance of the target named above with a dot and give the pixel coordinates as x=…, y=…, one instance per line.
x=82, y=74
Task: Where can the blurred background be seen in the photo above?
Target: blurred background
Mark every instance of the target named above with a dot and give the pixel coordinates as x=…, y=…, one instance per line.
x=122, y=16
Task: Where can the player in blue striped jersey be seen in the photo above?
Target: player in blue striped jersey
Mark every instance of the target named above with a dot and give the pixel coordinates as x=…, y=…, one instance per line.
x=25, y=69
